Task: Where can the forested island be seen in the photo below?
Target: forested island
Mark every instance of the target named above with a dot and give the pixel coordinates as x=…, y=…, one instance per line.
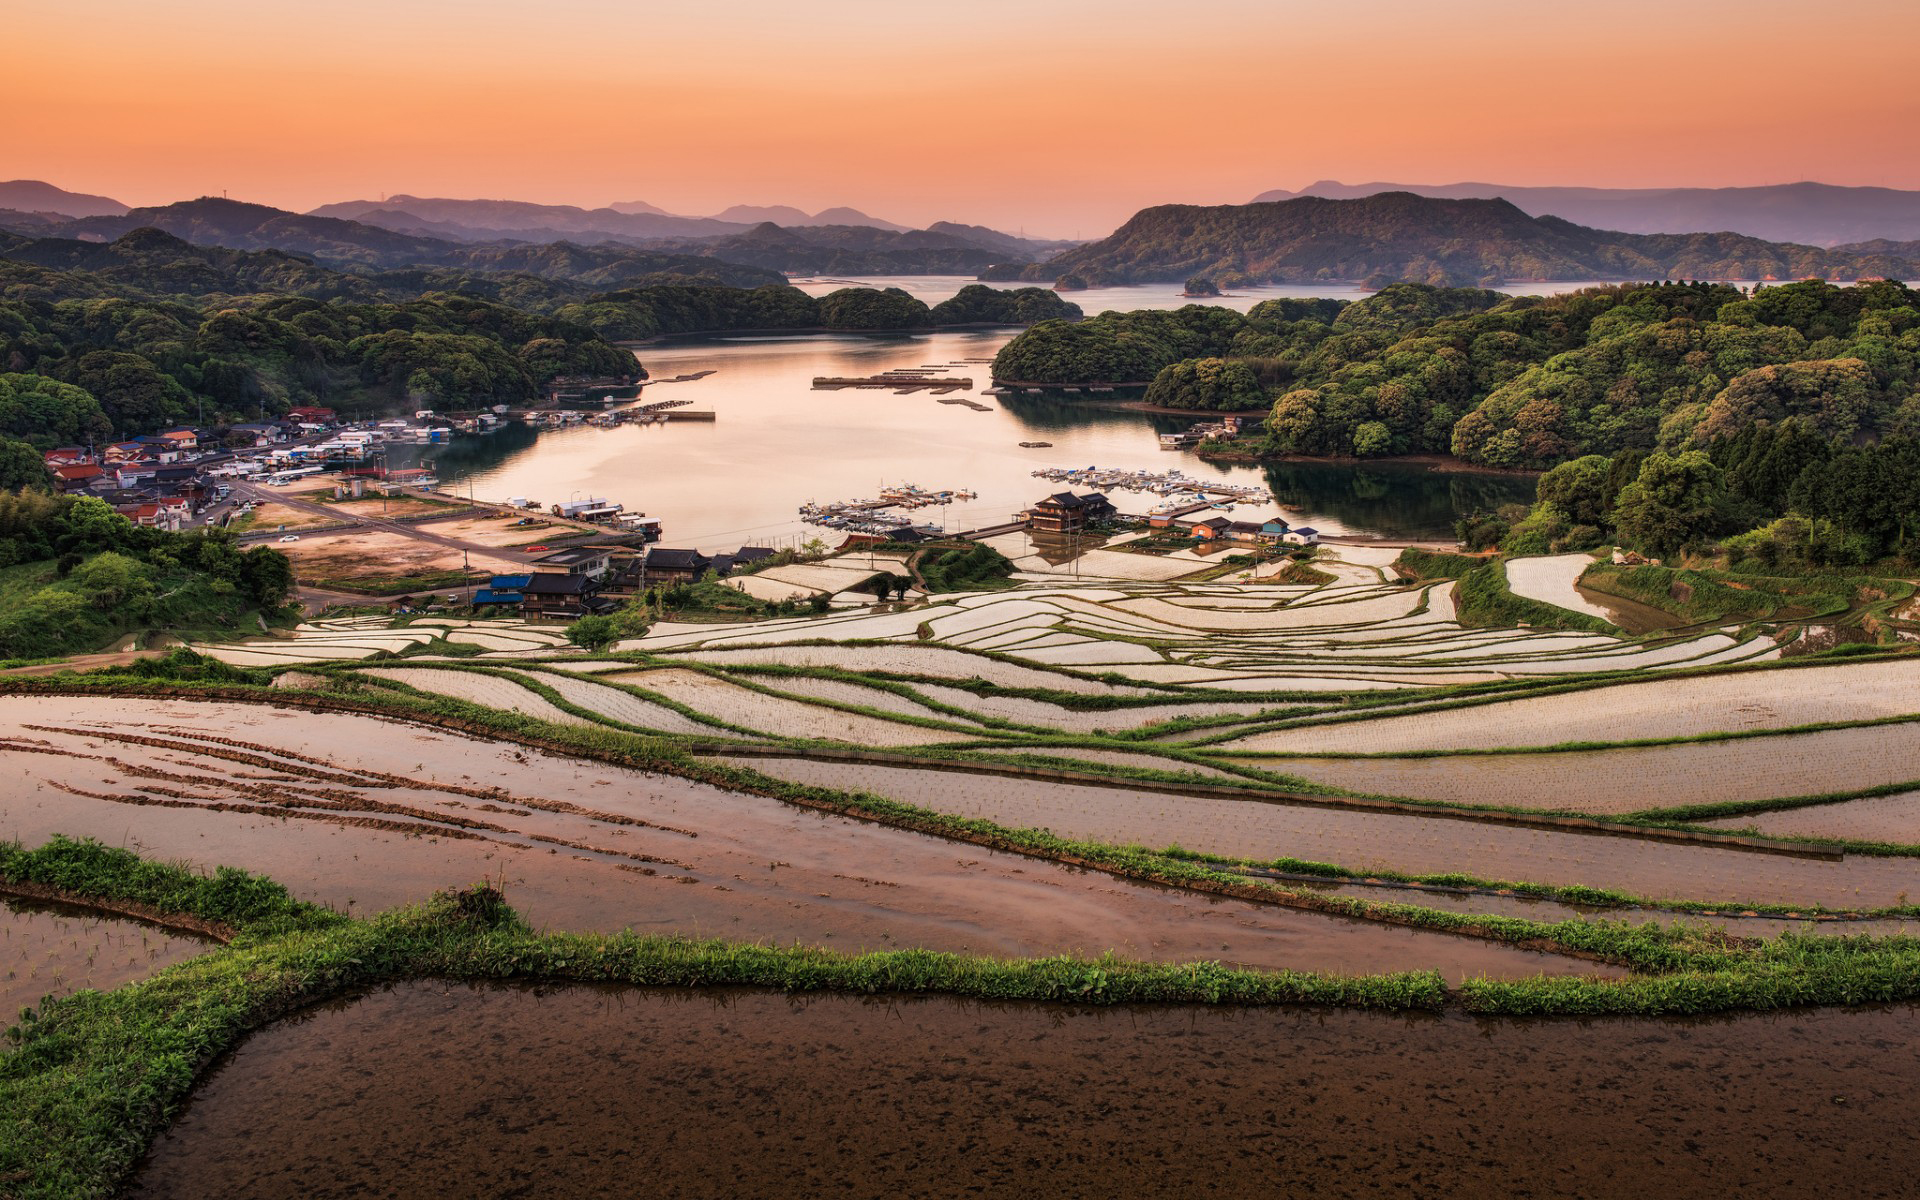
x=1670, y=412
x=109, y=341
x=1397, y=236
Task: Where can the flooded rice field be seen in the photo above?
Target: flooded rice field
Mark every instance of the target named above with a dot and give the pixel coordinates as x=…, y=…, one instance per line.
x=1372, y=841
x=57, y=949
x=363, y=814
x=448, y=1089
x=1635, y=778
x=1630, y=711
x=1893, y=818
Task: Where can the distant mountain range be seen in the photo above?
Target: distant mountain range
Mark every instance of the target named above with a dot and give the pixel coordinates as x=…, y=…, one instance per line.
x=1814, y=214
x=1397, y=236
x=33, y=196
x=234, y=225
x=553, y=241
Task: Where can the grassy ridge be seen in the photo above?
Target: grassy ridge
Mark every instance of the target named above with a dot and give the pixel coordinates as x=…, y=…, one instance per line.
x=1482, y=600
x=89, y=1080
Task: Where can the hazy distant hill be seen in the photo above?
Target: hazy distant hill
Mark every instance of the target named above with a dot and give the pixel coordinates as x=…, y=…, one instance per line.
x=1397, y=236
x=611, y=248
x=857, y=250
x=33, y=196
x=790, y=217
x=1815, y=214
x=236, y=225
x=148, y=261
x=1006, y=243
x=490, y=218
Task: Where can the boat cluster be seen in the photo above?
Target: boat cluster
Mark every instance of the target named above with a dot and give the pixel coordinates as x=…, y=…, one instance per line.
x=871, y=516
x=1173, y=484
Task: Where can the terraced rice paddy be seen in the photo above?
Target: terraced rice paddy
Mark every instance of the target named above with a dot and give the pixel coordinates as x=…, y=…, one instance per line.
x=1551, y=580
x=364, y=814
x=1633, y=779
x=1893, y=818
x=362, y=637
x=465, y=1090
x=1360, y=633
x=1376, y=841
x=742, y=706
x=56, y=950
x=491, y=691
x=1668, y=708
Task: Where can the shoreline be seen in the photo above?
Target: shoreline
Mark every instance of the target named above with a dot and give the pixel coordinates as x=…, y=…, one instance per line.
x=1439, y=464
x=815, y=330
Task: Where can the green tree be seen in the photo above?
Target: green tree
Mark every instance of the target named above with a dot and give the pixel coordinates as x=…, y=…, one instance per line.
x=1371, y=438
x=1582, y=489
x=594, y=632
x=115, y=582
x=21, y=467
x=45, y=413
x=1671, y=504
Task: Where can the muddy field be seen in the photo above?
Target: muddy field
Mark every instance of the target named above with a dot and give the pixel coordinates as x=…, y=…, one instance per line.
x=1371, y=841
x=377, y=553
x=445, y=1089
x=1632, y=779
x=56, y=950
x=364, y=814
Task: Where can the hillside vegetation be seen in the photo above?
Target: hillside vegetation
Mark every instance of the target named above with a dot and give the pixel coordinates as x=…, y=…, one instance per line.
x=1521, y=381
x=1398, y=236
x=75, y=576
x=111, y=341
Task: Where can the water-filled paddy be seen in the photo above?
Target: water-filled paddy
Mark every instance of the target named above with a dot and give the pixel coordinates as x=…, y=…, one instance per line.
x=1630, y=711
x=447, y=1089
x=57, y=949
x=364, y=814
x=1376, y=841
x=1635, y=778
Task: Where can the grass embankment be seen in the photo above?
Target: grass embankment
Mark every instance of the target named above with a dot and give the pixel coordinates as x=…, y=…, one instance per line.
x=1302, y=571
x=396, y=585
x=1700, y=595
x=88, y=1081
x=977, y=567
x=1482, y=600
x=1421, y=565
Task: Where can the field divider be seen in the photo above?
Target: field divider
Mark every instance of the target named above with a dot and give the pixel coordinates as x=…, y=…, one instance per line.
x=1554, y=824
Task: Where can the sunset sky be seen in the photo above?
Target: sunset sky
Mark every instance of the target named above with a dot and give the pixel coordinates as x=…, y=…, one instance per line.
x=1059, y=116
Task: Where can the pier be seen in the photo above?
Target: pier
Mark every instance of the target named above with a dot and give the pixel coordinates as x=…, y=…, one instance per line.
x=1175, y=485
x=901, y=382
x=873, y=516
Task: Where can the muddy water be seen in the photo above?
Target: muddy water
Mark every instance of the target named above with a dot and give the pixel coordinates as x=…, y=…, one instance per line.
x=364, y=814
x=1893, y=818
x=56, y=950
x=1635, y=778
x=448, y=1090
x=1630, y=615
x=1373, y=841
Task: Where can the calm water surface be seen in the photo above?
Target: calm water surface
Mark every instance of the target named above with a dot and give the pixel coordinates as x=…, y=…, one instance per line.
x=776, y=444
x=434, y=1089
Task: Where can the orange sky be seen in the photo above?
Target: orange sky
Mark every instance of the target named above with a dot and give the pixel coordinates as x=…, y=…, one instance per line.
x=1059, y=116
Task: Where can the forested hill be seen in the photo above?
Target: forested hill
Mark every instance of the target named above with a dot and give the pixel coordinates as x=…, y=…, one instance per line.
x=233, y=225
x=392, y=240
x=1397, y=236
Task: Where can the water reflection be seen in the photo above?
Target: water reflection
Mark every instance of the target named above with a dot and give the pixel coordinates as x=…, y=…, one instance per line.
x=775, y=444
